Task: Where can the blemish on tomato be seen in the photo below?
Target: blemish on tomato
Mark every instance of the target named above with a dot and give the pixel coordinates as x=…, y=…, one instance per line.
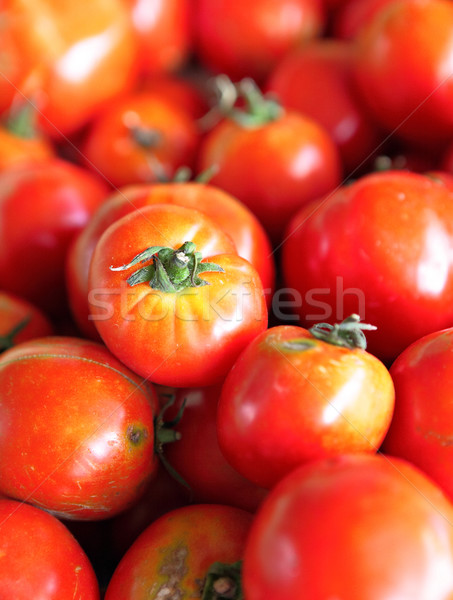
x=136, y=434
x=174, y=569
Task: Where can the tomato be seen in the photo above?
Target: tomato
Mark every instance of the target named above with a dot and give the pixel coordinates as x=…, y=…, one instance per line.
x=272, y=160
x=380, y=248
x=68, y=65
x=353, y=15
x=410, y=97
x=40, y=557
x=292, y=397
x=248, y=235
x=359, y=527
x=163, y=31
x=248, y=39
x=188, y=94
x=42, y=207
x=172, y=557
x=20, y=321
x=163, y=320
x=316, y=80
x=420, y=430
x=140, y=137
x=198, y=459
x=77, y=428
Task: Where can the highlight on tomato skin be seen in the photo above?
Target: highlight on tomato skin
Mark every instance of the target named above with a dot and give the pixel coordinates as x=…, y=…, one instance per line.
x=41, y=558
x=78, y=434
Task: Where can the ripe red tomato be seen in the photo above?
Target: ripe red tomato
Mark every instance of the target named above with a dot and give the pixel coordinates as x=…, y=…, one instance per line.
x=380, y=248
x=353, y=15
x=247, y=233
x=248, y=39
x=362, y=527
x=43, y=205
x=163, y=320
x=291, y=398
x=198, y=459
x=77, y=428
x=140, y=137
x=163, y=31
x=316, y=80
x=20, y=321
x=18, y=146
x=40, y=558
x=66, y=64
x=173, y=556
x=410, y=96
x=420, y=430
x=274, y=161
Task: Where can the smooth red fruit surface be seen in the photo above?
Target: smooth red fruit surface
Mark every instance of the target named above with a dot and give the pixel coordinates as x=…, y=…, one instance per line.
x=43, y=205
x=380, y=248
x=403, y=69
x=291, y=398
x=273, y=168
x=172, y=556
x=78, y=428
x=226, y=211
x=420, y=430
x=248, y=39
x=316, y=80
x=66, y=64
x=177, y=336
x=142, y=137
x=20, y=321
x=357, y=527
x=40, y=558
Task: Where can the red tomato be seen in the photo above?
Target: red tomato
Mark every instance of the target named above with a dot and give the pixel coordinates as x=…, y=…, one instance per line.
x=420, y=430
x=291, y=398
x=273, y=161
x=248, y=235
x=163, y=31
x=248, y=39
x=42, y=207
x=73, y=64
x=411, y=97
x=182, y=91
x=20, y=321
x=40, y=558
x=172, y=557
x=316, y=80
x=140, y=137
x=19, y=146
x=356, y=527
x=353, y=15
x=198, y=459
x=380, y=248
x=163, y=320
x=78, y=431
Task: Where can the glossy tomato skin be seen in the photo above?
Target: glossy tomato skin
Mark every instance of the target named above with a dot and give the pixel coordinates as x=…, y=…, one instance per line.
x=248, y=235
x=356, y=527
x=420, y=430
x=291, y=398
x=181, y=339
x=43, y=205
x=379, y=247
x=163, y=32
x=172, y=556
x=247, y=40
x=20, y=321
x=118, y=147
x=198, y=458
x=78, y=435
x=40, y=557
x=316, y=80
x=261, y=166
x=72, y=65
x=409, y=96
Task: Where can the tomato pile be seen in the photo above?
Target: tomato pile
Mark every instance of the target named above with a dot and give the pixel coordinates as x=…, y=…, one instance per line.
x=226, y=300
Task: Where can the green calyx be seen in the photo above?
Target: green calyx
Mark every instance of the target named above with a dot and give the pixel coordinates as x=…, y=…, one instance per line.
x=223, y=582
x=348, y=333
x=7, y=341
x=170, y=270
